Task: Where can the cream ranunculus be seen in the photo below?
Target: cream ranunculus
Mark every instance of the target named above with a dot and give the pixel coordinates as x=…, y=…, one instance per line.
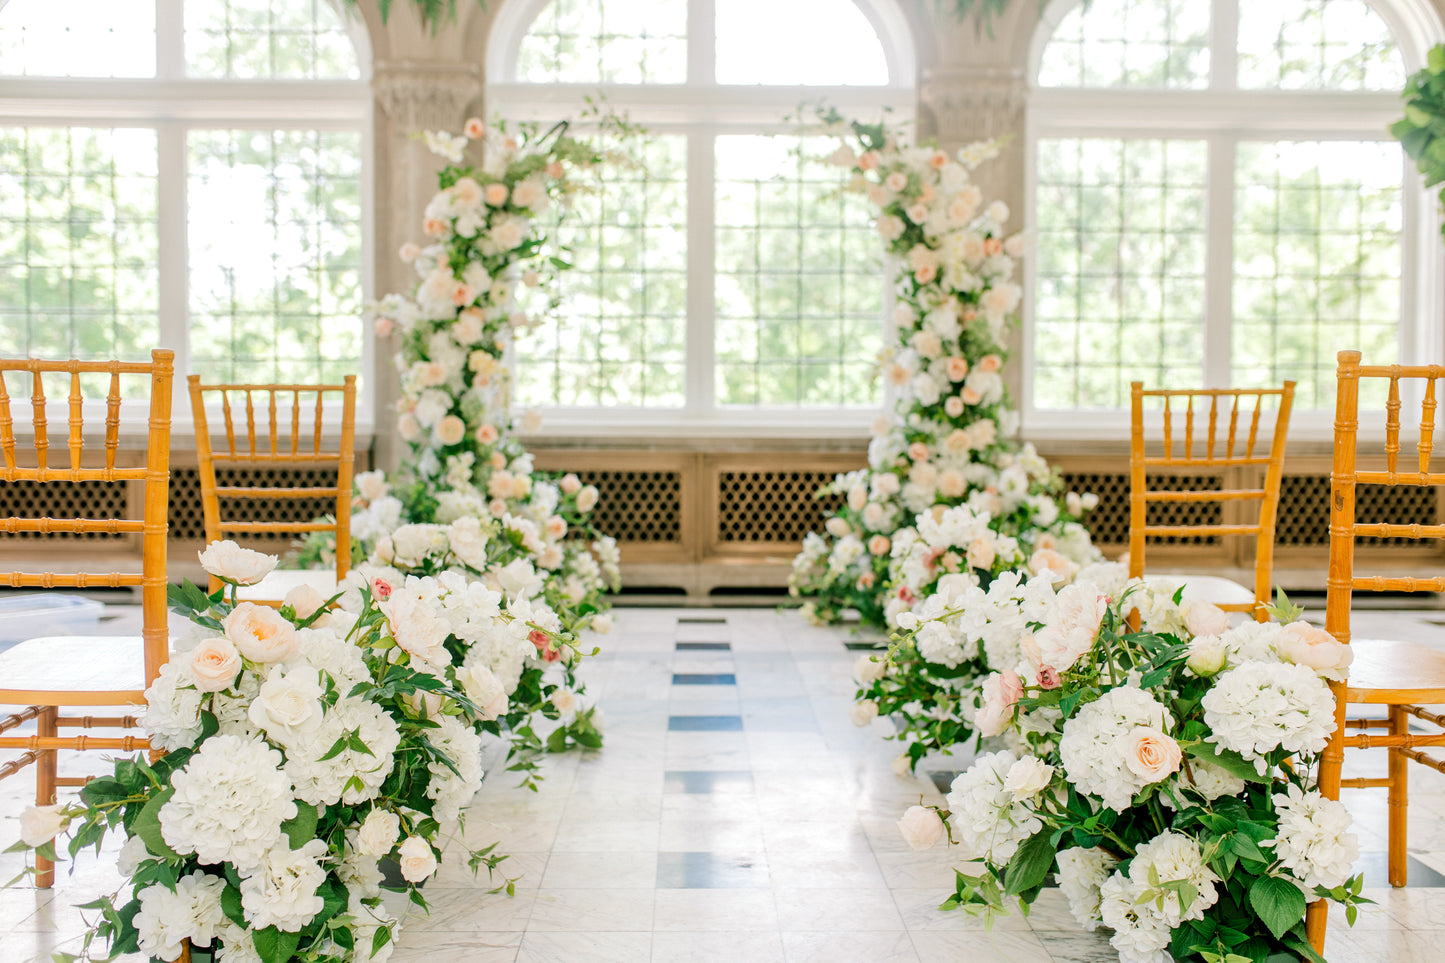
x=260, y=633
x=40, y=824
x=1311, y=646
x=417, y=859
x=378, y=833
x=1150, y=753
x=1028, y=777
x=214, y=663
x=230, y=562
x=921, y=827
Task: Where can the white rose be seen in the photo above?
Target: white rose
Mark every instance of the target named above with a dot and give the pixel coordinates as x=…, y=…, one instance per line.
x=288, y=707
x=863, y=712
x=485, y=690
x=1207, y=656
x=40, y=824
x=868, y=670
x=260, y=633
x=304, y=600
x=602, y=624
x=1204, y=618
x=231, y=563
x=921, y=827
x=417, y=859
x=587, y=498
x=1027, y=777
x=214, y=663
x=378, y=833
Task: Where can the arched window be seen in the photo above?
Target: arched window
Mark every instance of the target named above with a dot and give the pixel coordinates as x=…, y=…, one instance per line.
x=209, y=202
x=725, y=279
x=1218, y=200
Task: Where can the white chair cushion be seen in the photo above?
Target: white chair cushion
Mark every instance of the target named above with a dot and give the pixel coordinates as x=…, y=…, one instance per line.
x=74, y=663
x=276, y=586
x=1205, y=588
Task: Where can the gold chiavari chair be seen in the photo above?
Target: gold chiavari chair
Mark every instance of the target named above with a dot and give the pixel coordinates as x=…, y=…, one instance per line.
x=1401, y=676
x=285, y=429
x=47, y=674
x=1221, y=431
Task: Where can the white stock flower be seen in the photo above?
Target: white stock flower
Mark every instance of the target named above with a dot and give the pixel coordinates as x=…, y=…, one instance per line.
x=231, y=563
x=229, y=802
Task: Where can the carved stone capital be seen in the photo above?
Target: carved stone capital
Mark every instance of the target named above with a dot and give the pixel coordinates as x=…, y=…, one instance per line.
x=425, y=96
x=973, y=103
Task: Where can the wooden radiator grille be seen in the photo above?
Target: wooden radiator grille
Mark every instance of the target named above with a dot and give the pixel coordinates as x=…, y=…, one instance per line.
x=637, y=506
x=1304, y=511
x=188, y=523
x=772, y=506
x=1108, y=523
x=98, y=499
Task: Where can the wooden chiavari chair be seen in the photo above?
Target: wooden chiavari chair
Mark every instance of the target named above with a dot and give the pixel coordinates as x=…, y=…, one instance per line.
x=47, y=674
x=1400, y=676
x=280, y=432
x=1212, y=448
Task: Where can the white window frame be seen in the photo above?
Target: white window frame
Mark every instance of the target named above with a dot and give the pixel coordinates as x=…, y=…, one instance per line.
x=173, y=104
x=1220, y=118
x=701, y=110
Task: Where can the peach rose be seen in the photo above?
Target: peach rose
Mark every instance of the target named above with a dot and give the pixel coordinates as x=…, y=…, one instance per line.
x=918, y=451
x=1205, y=618
x=1309, y=645
x=496, y=194
x=214, y=663
x=260, y=633
x=1001, y=692
x=879, y=545
x=957, y=368
x=990, y=362
x=451, y=430
x=953, y=406
x=1150, y=753
x=435, y=227
x=473, y=128
x=981, y=553
x=383, y=326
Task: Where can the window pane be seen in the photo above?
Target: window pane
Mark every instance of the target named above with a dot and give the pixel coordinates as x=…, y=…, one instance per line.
x=758, y=43
x=1130, y=43
x=618, y=336
x=79, y=38
x=1316, y=261
x=275, y=254
x=268, y=39
x=799, y=292
x=1120, y=280
x=1315, y=45
x=78, y=243
x=606, y=42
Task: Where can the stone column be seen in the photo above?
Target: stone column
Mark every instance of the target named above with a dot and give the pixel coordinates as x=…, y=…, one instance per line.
x=411, y=96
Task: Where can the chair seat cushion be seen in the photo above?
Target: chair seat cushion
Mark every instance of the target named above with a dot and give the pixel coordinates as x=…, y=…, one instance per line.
x=1206, y=588
x=107, y=669
x=1396, y=673
x=276, y=586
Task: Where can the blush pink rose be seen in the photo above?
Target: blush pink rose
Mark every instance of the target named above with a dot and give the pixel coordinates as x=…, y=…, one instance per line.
x=1150, y=753
x=214, y=663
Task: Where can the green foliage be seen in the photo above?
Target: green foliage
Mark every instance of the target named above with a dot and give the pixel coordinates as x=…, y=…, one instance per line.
x=1422, y=130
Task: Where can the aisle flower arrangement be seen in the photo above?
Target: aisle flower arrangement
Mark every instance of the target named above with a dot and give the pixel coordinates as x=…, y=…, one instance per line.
x=947, y=441
x=468, y=500
x=296, y=750
x=1161, y=774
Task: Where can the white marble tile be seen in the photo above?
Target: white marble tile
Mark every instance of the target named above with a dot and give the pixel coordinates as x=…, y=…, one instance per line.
x=717, y=947
x=832, y=946
x=607, y=835
x=836, y=909
x=714, y=910
x=979, y=947
x=472, y=946
x=711, y=836
x=602, y=910
x=600, y=871
x=594, y=947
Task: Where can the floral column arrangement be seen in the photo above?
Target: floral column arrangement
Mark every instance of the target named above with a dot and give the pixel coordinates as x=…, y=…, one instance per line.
x=468, y=500
x=948, y=495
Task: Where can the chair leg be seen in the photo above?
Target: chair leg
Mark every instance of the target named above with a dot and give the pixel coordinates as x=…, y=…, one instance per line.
x=1331, y=763
x=1399, y=799
x=45, y=774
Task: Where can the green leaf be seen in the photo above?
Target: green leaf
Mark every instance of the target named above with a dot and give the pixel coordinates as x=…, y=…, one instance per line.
x=1030, y=864
x=231, y=906
x=301, y=828
x=148, y=826
x=1228, y=760
x=1278, y=902
x=276, y=946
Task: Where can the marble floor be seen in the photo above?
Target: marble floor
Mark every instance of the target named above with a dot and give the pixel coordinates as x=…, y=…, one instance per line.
x=736, y=815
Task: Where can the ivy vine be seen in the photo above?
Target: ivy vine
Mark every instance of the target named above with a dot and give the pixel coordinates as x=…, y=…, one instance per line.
x=1422, y=130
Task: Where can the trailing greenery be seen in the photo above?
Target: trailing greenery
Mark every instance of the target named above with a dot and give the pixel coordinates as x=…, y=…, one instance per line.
x=1422, y=130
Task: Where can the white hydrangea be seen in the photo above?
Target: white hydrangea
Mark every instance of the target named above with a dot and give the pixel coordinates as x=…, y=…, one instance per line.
x=1205, y=778
x=1081, y=873
x=351, y=776
x=463, y=747
x=987, y=820
x=330, y=651
x=1314, y=841
x=1251, y=641
x=1173, y=857
x=281, y=890
x=1258, y=707
x=172, y=717
x=1090, y=746
x=1140, y=935
x=229, y=803
x=192, y=912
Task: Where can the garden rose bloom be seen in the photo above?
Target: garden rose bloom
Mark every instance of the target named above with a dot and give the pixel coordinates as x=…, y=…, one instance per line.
x=1001, y=692
x=1027, y=777
x=1309, y=645
x=260, y=633
x=868, y=670
x=1200, y=617
x=990, y=362
x=1150, y=753
x=918, y=451
x=482, y=686
x=409, y=252
x=570, y=484
x=496, y=194
x=40, y=824
x=383, y=326
x=982, y=552
x=863, y=712
x=953, y=406
x=304, y=601
x=230, y=562
x=921, y=827
x=837, y=527
x=1071, y=632
x=417, y=859
x=587, y=498
x=474, y=128
x=1048, y=678
x=214, y=663
x=879, y=544
x=1207, y=656
x=378, y=833
x=451, y=430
